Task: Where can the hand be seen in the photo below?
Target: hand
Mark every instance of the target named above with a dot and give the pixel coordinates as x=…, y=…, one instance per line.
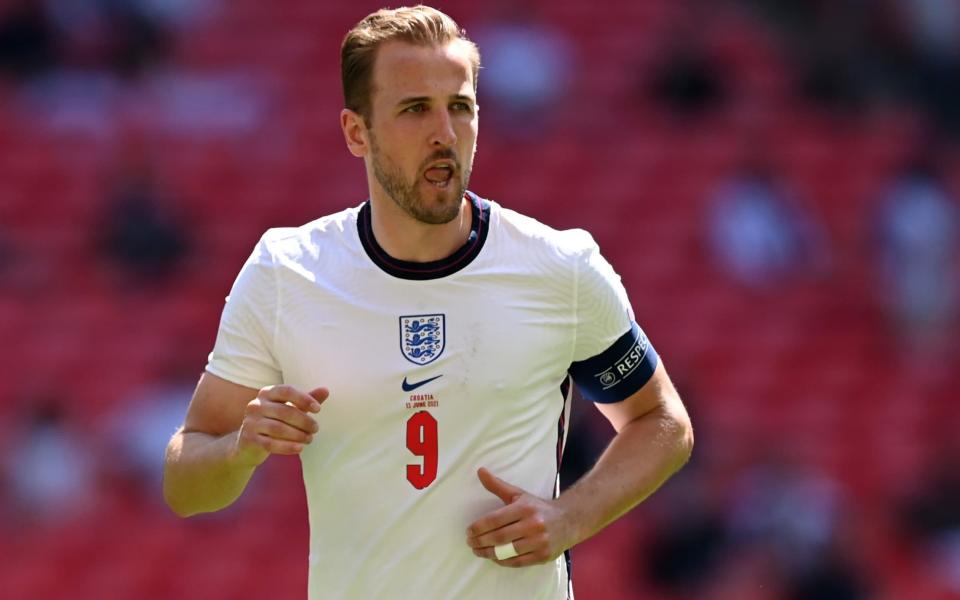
x=276, y=422
x=539, y=529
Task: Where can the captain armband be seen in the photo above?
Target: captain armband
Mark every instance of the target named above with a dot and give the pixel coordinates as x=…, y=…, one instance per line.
x=619, y=371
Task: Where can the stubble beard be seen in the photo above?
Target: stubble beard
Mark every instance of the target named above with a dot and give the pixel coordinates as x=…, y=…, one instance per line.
x=446, y=205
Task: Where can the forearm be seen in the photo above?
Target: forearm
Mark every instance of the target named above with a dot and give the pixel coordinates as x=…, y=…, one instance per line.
x=640, y=458
x=201, y=473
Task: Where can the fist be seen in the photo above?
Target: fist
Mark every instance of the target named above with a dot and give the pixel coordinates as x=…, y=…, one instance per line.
x=278, y=421
x=538, y=529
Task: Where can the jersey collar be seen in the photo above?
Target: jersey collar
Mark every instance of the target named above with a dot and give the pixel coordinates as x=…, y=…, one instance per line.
x=403, y=269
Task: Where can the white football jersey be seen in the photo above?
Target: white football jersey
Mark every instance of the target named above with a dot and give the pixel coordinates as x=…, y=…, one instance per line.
x=434, y=370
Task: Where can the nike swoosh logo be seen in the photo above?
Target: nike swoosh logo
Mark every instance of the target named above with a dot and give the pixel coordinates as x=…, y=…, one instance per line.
x=409, y=387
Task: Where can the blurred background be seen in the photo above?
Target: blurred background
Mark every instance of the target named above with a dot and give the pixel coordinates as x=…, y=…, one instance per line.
x=775, y=181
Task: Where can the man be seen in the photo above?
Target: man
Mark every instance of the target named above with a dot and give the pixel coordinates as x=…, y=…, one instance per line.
x=439, y=331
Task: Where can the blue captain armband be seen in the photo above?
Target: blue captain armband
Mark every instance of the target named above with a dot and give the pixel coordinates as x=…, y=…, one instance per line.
x=619, y=371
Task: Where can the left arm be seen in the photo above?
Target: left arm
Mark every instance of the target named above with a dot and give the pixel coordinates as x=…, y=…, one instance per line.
x=654, y=439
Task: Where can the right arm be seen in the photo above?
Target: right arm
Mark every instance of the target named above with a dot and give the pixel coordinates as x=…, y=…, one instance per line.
x=229, y=430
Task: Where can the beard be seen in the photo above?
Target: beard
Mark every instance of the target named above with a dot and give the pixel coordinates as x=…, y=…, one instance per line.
x=440, y=205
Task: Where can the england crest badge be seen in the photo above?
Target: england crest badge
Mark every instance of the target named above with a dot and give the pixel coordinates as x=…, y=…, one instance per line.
x=422, y=338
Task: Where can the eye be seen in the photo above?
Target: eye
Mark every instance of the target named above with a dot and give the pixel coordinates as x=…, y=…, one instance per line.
x=419, y=107
x=462, y=106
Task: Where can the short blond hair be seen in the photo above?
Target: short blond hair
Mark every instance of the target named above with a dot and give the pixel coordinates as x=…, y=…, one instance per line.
x=419, y=25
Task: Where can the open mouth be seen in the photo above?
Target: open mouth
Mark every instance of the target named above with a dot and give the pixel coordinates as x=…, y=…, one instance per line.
x=439, y=175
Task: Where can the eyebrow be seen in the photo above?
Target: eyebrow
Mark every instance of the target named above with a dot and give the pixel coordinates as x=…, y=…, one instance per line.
x=416, y=99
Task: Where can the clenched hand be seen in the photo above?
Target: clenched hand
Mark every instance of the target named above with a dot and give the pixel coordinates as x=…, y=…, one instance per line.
x=277, y=422
x=539, y=529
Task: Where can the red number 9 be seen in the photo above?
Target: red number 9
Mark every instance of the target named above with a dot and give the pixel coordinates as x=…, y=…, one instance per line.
x=422, y=441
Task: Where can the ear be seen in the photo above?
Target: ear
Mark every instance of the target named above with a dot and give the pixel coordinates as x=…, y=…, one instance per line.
x=354, y=132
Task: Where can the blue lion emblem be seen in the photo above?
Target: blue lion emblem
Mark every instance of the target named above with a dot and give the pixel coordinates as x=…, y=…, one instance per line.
x=422, y=352
x=416, y=340
x=421, y=327
x=422, y=337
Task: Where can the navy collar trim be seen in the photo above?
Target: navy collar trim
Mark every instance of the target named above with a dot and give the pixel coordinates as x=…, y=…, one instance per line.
x=403, y=269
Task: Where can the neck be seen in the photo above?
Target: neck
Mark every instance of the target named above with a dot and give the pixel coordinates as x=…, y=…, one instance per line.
x=405, y=238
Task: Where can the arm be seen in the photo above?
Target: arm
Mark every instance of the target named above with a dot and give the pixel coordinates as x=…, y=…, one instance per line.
x=230, y=430
x=654, y=439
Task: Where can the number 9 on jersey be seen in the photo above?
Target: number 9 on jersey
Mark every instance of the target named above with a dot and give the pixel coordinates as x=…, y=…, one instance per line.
x=422, y=441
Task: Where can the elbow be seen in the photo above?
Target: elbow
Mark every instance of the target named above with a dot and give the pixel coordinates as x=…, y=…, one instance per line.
x=683, y=440
x=174, y=502
x=173, y=491
x=686, y=442
x=172, y=486
x=179, y=510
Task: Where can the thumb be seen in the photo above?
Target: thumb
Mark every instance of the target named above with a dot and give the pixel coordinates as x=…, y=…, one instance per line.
x=503, y=490
x=319, y=394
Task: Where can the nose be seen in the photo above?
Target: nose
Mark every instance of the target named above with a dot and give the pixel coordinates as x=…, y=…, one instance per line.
x=443, y=135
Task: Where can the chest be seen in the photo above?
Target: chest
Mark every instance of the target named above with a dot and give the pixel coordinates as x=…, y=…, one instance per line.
x=382, y=346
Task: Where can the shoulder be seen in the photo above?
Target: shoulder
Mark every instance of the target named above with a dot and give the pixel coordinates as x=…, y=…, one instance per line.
x=567, y=245
x=310, y=241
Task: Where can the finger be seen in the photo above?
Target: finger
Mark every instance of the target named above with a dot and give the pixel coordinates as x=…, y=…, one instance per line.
x=529, y=551
x=320, y=394
x=506, y=534
x=289, y=415
x=501, y=517
x=279, y=430
x=503, y=490
x=291, y=395
x=524, y=560
x=285, y=413
x=275, y=446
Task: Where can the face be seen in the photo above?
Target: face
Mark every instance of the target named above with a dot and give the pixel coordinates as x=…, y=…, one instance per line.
x=423, y=134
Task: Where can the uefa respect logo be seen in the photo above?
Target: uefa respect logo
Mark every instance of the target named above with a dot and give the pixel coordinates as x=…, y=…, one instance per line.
x=625, y=365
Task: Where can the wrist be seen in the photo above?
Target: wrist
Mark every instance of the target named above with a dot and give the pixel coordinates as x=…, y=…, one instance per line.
x=238, y=457
x=575, y=522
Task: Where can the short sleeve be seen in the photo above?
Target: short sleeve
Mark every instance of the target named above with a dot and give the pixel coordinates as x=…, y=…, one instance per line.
x=603, y=310
x=612, y=356
x=243, y=352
